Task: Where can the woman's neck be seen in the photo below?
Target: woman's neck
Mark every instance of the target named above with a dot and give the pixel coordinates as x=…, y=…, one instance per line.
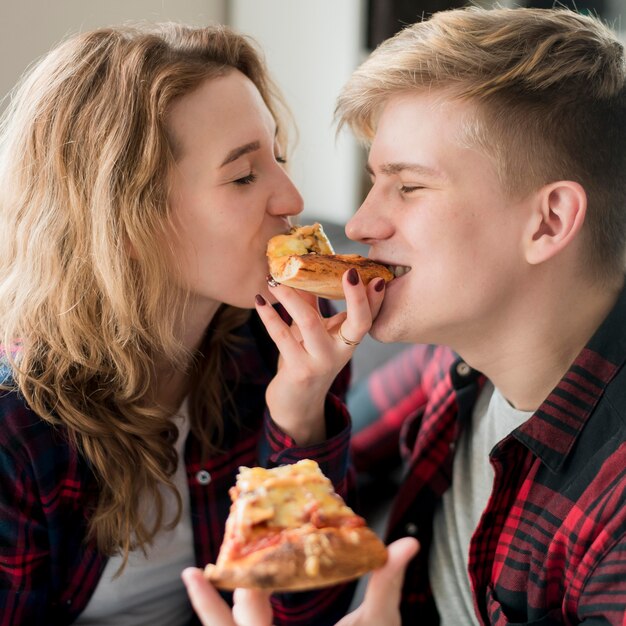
x=172, y=383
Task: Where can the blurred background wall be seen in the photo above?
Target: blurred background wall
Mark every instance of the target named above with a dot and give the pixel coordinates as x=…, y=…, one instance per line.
x=311, y=47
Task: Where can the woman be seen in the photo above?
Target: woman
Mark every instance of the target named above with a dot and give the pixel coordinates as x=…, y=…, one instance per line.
x=142, y=173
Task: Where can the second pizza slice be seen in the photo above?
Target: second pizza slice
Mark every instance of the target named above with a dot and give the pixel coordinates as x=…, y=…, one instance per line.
x=288, y=530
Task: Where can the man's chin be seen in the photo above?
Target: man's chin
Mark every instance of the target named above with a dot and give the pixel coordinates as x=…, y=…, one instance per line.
x=382, y=331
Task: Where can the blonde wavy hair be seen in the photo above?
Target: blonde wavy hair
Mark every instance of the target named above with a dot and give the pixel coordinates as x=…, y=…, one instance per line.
x=84, y=162
x=549, y=87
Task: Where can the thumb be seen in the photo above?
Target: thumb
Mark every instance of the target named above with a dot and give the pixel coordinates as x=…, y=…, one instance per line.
x=382, y=597
x=206, y=601
x=252, y=607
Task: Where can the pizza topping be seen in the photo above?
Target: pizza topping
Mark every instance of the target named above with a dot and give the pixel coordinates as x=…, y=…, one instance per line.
x=242, y=546
x=317, y=549
x=300, y=240
x=287, y=497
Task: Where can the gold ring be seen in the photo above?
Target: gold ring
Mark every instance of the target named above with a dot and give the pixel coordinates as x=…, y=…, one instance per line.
x=348, y=342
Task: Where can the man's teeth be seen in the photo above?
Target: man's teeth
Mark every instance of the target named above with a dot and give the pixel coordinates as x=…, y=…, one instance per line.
x=398, y=270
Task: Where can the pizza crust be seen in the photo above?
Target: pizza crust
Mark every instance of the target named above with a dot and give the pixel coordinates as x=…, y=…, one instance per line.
x=304, y=560
x=321, y=274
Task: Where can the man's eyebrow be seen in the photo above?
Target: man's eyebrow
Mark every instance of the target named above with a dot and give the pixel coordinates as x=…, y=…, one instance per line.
x=395, y=168
x=235, y=153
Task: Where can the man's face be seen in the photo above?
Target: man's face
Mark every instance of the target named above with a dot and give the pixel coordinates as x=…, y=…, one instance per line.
x=438, y=208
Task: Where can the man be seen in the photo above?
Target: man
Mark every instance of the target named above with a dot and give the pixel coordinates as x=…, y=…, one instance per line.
x=498, y=162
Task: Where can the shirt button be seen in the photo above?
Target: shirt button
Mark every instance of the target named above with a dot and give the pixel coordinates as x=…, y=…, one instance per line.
x=463, y=369
x=411, y=529
x=203, y=477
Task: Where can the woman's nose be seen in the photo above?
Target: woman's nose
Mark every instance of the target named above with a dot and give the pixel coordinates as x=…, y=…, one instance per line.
x=285, y=199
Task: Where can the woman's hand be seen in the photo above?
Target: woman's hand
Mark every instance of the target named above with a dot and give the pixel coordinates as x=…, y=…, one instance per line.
x=313, y=351
x=252, y=607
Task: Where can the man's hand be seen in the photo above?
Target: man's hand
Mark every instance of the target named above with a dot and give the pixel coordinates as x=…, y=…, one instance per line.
x=382, y=596
x=252, y=607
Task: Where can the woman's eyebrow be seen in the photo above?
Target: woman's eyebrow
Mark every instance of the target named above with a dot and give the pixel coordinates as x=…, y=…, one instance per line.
x=235, y=153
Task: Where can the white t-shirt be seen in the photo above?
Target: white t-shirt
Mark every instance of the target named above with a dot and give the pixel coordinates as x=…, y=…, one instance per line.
x=150, y=591
x=459, y=511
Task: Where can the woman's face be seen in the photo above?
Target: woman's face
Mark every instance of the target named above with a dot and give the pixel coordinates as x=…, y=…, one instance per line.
x=229, y=191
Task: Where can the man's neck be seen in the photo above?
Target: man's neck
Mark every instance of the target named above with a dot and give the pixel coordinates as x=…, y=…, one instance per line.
x=528, y=360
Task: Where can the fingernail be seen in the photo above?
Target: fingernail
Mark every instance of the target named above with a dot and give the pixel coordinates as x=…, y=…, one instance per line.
x=259, y=299
x=188, y=577
x=270, y=281
x=379, y=285
x=353, y=276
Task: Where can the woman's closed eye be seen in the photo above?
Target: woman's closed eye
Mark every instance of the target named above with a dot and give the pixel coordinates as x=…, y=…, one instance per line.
x=252, y=177
x=246, y=180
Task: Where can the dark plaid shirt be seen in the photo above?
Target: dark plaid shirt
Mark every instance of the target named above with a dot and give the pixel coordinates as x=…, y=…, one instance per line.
x=550, y=547
x=47, y=570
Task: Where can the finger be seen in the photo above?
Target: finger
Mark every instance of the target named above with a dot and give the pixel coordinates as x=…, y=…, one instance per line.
x=206, y=601
x=309, y=297
x=280, y=332
x=252, y=607
x=306, y=317
x=385, y=586
x=359, y=315
x=375, y=295
x=335, y=320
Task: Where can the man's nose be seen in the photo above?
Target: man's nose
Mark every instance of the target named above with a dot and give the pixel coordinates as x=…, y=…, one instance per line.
x=369, y=222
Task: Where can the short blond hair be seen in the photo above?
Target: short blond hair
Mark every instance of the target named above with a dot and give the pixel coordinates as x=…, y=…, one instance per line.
x=550, y=90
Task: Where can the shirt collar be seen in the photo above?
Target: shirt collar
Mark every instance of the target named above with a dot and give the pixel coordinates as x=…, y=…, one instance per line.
x=554, y=428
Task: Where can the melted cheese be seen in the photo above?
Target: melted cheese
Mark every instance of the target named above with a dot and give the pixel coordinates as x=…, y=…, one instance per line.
x=285, y=496
x=300, y=240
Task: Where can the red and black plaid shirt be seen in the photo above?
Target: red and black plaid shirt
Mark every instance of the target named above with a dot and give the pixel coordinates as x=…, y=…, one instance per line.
x=47, y=570
x=550, y=547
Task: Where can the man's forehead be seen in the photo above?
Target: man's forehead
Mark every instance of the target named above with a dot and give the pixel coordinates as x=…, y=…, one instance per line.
x=419, y=122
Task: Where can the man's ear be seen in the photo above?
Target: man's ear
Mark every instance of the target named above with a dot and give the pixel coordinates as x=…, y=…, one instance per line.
x=556, y=220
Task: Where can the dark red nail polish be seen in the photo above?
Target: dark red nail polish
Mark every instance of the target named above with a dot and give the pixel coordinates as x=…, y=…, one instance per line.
x=379, y=285
x=259, y=299
x=353, y=276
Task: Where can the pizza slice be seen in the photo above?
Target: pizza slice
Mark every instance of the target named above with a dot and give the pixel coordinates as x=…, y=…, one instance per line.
x=304, y=258
x=289, y=531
